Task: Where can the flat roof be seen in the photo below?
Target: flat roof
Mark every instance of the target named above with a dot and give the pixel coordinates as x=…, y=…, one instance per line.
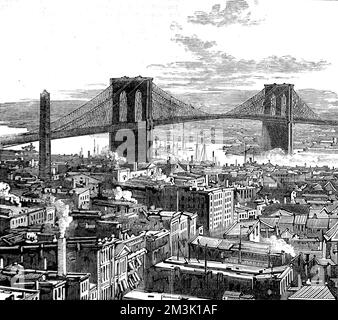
x=231, y=269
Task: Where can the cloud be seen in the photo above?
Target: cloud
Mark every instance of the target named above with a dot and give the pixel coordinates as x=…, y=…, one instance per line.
x=175, y=26
x=212, y=68
x=195, y=45
x=235, y=12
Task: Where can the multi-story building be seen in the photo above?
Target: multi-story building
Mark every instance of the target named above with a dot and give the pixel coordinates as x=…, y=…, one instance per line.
x=248, y=230
x=211, y=279
x=76, y=179
x=12, y=217
x=81, y=197
x=214, y=206
x=50, y=285
x=245, y=193
x=158, y=247
x=96, y=256
x=182, y=226
x=243, y=212
x=232, y=250
x=12, y=293
x=120, y=278
x=136, y=259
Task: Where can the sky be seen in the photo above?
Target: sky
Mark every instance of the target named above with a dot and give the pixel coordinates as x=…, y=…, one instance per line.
x=72, y=46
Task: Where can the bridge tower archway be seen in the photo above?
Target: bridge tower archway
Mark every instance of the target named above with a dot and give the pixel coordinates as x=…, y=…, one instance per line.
x=278, y=132
x=134, y=142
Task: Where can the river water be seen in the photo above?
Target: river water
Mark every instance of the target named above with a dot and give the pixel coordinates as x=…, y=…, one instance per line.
x=173, y=136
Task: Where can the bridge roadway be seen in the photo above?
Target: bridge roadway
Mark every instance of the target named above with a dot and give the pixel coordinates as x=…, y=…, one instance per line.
x=11, y=140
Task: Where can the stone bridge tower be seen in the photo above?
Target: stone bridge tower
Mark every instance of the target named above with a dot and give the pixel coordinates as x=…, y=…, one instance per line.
x=278, y=132
x=132, y=104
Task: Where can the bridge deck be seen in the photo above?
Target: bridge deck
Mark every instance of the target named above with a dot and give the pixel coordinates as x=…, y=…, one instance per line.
x=31, y=137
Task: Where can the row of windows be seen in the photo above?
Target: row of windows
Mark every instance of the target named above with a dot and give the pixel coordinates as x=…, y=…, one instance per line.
x=93, y=295
x=18, y=222
x=121, y=267
x=32, y=218
x=59, y=293
x=243, y=216
x=217, y=196
x=84, y=286
x=105, y=271
x=106, y=293
x=183, y=225
x=84, y=197
x=106, y=254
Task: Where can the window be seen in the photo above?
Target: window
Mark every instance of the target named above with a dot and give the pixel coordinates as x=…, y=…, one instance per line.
x=117, y=268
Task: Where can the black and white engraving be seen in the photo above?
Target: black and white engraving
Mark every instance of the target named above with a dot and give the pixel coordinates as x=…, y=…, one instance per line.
x=168, y=150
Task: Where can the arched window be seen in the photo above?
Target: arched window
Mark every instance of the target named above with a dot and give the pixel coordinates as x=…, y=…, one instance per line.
x=283, y=106
x=138, y=106
x=273, y=105
x=123, y=107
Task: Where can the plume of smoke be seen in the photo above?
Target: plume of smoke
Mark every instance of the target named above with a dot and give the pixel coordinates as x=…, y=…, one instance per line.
x=4, y=189
x=62, y=213
x=31, y=237
x=278, y=245
x=4, y=192
x=48, y=199
x=278, y=156
x=119, y=194
x=113, y=156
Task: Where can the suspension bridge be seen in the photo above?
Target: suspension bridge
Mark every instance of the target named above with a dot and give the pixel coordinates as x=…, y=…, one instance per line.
x=137, y=105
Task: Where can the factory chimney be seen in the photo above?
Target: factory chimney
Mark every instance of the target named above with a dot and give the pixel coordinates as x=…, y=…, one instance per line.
x=64, y=220
x=62, y=258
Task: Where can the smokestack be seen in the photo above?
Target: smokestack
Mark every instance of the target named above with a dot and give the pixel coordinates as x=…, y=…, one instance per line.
x=206, y=180
x=62, y=270
x=88, y=154
x=1, y=263
x=299, y=283
x=45, y=263
x=64, y=220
